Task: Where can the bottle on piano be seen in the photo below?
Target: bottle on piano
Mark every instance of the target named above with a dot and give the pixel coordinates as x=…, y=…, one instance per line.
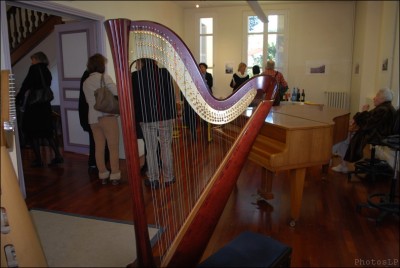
x=298, y=95
x=303, y=96
x=294, y=95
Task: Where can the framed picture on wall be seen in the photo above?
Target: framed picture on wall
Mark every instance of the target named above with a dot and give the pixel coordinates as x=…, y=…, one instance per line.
x=385, y=64
x=229, y=68
x=316, y=67
x=357, y=68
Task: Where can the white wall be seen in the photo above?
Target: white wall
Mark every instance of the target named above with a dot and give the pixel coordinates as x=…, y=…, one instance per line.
x=316, y=32
x=376, y=39
x=377, y=34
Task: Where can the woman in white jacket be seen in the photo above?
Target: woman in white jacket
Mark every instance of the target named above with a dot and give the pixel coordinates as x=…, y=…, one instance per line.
x=104, y=126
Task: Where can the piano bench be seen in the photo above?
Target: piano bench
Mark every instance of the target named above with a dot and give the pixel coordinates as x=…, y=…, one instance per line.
x=250, y=250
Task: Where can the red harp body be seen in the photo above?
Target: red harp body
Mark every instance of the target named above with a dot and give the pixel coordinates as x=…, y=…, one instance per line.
x=188, y=242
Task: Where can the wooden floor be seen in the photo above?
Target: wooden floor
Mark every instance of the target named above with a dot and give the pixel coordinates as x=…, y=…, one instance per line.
x=329, y=233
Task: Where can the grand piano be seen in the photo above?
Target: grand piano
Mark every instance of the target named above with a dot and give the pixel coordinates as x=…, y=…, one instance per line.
x=295, y=136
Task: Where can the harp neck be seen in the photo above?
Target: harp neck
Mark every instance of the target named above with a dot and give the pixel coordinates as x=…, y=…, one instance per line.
x=156, y=41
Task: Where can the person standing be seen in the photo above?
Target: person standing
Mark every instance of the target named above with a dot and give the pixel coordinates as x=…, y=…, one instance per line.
x=104, y=126
x=37, y=123
x=83, y=109
x=206, y=75
x=155, y=105
x=239, y=77
x=256, y=70
x=283, y=85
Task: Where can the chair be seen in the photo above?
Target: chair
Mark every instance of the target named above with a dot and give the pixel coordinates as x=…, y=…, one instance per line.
x=373, y=166
x=250, y=250
x=386, y=203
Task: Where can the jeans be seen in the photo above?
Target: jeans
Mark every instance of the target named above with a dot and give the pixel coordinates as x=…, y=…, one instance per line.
x=154, y=133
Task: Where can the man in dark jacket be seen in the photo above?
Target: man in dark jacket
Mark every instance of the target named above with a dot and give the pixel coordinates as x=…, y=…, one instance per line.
x=155, y=110
x=83, y=109
x=371, y=125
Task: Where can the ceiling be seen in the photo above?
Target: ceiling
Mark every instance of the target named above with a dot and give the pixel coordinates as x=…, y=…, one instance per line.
x=209, y=3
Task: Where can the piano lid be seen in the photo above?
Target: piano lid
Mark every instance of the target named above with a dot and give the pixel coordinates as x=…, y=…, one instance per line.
x=316, y=113
x=291, y=116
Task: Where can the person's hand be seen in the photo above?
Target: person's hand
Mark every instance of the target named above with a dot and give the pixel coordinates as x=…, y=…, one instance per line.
x=365, y=107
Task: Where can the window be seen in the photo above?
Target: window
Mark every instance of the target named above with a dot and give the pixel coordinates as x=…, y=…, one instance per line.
x=266, y=41
x=206, y=43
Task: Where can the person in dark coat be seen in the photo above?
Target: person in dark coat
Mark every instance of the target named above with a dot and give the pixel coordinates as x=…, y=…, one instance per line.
x=206, y=75
x=239, y=77
x=155, y=110
x=190, y=117
x=83, y=109
x=37, y=123
x=256, y=70
x=369, y=125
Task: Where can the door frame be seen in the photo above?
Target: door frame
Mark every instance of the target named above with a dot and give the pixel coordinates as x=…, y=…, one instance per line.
x=49, y=8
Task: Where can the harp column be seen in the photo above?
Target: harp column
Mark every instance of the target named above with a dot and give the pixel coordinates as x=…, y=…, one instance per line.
x=118, y=36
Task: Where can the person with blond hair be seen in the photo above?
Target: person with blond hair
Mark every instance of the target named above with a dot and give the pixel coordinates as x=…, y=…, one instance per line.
x=240, y=76
x=283, y=85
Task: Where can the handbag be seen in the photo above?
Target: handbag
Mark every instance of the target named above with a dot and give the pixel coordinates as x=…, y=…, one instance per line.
x=105, y=101
x=40, y=95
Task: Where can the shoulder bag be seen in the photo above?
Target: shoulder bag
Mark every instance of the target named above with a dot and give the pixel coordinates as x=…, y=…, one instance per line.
x=105, y=101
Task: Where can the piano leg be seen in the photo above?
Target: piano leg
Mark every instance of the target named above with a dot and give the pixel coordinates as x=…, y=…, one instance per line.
x=297, y=177
x=265, y=190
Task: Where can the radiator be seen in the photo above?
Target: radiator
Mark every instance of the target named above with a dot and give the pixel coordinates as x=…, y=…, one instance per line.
x=337, y=99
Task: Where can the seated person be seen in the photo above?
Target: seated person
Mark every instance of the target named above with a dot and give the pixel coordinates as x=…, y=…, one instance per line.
x=367, y=126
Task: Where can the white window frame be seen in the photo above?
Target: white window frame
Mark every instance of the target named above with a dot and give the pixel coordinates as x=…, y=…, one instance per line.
x=285, y=32
x=202, y=16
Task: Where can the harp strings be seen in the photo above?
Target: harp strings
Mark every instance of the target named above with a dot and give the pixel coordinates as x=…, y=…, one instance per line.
x=194, y=159
x=159, y=47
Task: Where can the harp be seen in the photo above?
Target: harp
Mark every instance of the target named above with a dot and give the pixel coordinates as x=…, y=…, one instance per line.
x=20, y=245
x=187, y=224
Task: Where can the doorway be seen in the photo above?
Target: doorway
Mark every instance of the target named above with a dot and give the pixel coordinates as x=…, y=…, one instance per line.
x=49, y=8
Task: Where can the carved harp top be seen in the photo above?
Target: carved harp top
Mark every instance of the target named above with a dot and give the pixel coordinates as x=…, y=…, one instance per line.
x=163, y=45
x=131, y=40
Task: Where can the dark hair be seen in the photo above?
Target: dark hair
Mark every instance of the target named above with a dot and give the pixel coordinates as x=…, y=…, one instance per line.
x=256, y=69
x=202, y=63
x=96, y=63
x=40, y=57
x=147, y=62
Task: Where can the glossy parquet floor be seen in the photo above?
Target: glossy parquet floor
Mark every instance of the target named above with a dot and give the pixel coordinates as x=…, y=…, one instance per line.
x=329, y=233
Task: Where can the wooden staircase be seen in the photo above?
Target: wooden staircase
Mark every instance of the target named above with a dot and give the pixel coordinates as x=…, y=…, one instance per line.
x=26, y=29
